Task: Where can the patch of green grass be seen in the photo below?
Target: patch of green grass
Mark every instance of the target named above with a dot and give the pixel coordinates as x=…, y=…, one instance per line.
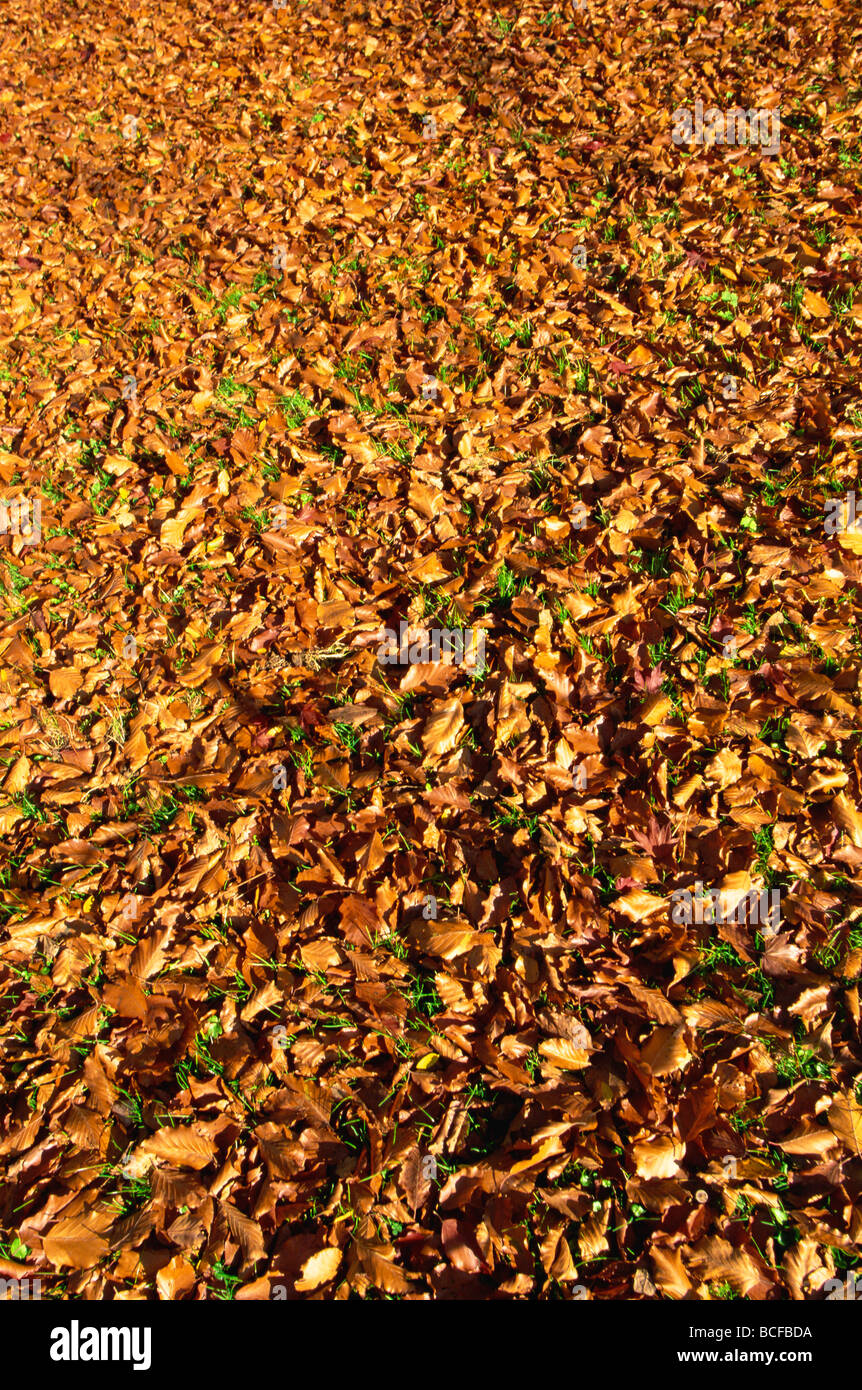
x=773, y=731
x=799, y=1063
x=295, y=409
x=764, y=844
x=653, y=562
x=259, y=519
x=348, y=736
x=226, y=1283
x=508, y=584
x=717, y=955
x=162, y=816
x=513, y=819
x=674, y=600
x=724, y=1291
x=230, y=391
x=229, y=301
x=582, y=376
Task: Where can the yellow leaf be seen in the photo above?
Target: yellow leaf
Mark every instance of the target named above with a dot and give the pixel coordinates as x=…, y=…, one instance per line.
x=665, y=1051
x=670, y=1275
x=171, y=534
x=444, y=727
x=175, y=1278
x=428, y=569
x=807, y=1139
x=725, y=769
x=847, y=816
x=380, y=1270
x=816, y=304
x=550, y=1147
x=319, y=1268
x=733, y=889
x=638, y=903
x=655, y=708
x=657, y=1158
x=564, y=1054
x=851, y=539
x=720, y=1261
x=447, y=941
x=19, y=776
x=451, y=112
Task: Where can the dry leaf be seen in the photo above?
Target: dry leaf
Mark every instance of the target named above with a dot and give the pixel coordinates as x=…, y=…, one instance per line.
x=180, y=1145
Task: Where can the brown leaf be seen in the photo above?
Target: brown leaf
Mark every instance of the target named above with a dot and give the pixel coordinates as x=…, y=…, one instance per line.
x=414, y=1179
x=845, y=1121
x=380, y=1268
x=245, y=1231
x=443, y=729
x=657, y=1157
x=666, y=1051
x=564, y=1054
x=175, y=1278
x=460, y=1247
x=65, y=682
x=181, y=1145
x=74, y=1244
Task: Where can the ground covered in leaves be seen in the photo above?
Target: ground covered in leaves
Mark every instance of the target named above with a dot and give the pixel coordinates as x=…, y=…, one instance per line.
x=241, y=1057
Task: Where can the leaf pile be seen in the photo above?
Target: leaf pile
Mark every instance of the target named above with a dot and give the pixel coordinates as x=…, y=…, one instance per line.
x=323, y=977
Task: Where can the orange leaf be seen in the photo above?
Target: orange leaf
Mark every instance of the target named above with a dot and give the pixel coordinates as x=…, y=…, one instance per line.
x=181, y=1145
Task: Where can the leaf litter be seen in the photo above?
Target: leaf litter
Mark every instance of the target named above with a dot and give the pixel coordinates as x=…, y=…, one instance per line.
x=322, y=976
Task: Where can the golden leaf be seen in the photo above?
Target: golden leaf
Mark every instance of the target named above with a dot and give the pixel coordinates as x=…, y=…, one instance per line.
x=816, y=304
x=804, y=1268
x=18, y=776
x=73, y=1244
x=666, y=1051
x=443, y=729
x=670, y=1274
x=848, y=817
x=171, y=533
x=181, y=1145
x=319, y=1269
x=175, y=1278
x=638, y=903
x=845, y=1120
x=550, y=1147
x=657, y=1158
x=65, y=681
x=380, y=1270
x=564, y=1054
